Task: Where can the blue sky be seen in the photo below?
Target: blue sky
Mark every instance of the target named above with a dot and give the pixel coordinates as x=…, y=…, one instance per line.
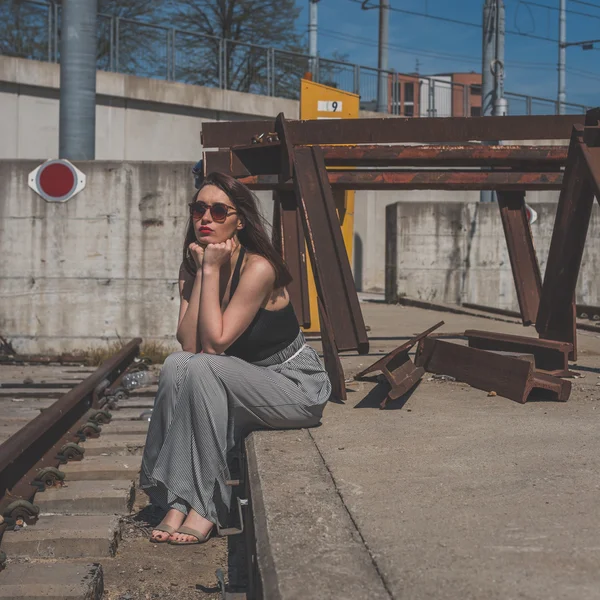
x=439, y=46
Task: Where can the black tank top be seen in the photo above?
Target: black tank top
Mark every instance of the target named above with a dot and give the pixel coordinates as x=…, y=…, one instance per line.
x=270, y=331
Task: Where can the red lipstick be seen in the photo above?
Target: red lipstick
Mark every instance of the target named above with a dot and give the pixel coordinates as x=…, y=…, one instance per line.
x=205, y=230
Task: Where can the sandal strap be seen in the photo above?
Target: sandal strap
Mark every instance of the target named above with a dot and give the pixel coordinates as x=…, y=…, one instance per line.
x=165, y=528
x=193, y=532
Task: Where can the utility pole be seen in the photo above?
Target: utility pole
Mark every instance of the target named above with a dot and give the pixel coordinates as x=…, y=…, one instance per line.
x=77, y=118
x=500, y=103
x=312, y=37
x=382, y=62
x=487, y=79
x=562, y=56
x=488, y=53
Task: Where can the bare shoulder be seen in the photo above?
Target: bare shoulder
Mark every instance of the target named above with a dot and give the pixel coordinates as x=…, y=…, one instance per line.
x=258, y=266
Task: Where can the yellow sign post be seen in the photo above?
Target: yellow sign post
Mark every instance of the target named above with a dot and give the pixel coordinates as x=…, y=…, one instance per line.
x=323, y=102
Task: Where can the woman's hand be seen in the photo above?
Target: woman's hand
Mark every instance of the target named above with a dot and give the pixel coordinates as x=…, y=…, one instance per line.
x=197, y=252
x=216, y=255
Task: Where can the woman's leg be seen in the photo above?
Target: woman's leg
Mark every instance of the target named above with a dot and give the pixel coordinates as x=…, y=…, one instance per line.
x=220, y=398
x=171, y=377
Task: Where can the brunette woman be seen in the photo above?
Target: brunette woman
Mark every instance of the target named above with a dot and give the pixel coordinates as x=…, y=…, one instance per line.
x=245, y=364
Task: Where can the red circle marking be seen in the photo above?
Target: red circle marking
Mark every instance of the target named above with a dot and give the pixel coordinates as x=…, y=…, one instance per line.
x=56, y=180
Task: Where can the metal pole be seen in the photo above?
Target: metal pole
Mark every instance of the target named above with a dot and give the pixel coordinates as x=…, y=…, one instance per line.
x=77, y=120
x=488, y=51
x=562, y=56
x=357, y=79
x=312, y=36
x=382, y=62
x=487, y=64
x=500, y=103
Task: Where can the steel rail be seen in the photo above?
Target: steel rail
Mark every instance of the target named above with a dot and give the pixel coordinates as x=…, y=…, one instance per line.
x=38, y=444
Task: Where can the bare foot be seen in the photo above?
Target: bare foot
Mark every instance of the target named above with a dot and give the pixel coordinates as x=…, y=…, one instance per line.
x=195, y=521
x=174, y=518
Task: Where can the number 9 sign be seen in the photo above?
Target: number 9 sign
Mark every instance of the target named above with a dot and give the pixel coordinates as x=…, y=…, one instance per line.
x=329, y=106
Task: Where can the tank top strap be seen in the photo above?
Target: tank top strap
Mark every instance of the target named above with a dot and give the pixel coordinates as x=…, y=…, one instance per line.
x=236, y=271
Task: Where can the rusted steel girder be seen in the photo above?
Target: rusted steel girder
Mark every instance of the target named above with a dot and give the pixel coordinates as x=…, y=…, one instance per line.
x=549, y=355
x=422, y=180
x=474, y=155
x=523, y=260
x=507, y=376
x=396, y=130
x=328, y=256
x=37, y=444
x=264, y=159
x=397, y=367
x=288, y=238
x=556, y=315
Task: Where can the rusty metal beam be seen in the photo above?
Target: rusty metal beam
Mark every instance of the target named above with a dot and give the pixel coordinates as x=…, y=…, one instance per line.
x=289, y=239
x=525, y=267
x=264, y=159
x=396, y=130
x=475, y=155
x=505, y=375
x=397, y=367
x=331, y=267
x=331, y=357
x=549, y=355
x=556, y=315
x=423, y=180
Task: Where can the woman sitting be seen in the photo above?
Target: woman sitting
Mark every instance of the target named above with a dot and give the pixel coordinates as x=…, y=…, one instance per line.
x=245, y=364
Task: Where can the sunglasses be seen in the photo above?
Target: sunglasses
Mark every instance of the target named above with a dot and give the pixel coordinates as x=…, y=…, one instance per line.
x=218, y=211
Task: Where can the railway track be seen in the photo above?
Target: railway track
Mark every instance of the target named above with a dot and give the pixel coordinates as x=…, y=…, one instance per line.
x=71, y=443
x=56, y=509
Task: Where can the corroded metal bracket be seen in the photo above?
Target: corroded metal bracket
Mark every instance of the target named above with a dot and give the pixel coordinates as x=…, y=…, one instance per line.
x=397, y=367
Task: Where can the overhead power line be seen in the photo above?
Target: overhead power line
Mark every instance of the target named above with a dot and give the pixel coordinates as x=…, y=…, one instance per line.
x=455, y=21
x=586, y=3
x=521, y=65
x=555, y=8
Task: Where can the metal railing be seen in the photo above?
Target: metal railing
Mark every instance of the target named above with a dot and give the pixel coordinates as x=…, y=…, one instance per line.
x=156, y=51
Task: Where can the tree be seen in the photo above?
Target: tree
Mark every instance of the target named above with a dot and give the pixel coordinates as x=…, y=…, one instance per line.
x=31, y=30
x=142, y=42
x=24, y=30
x=244, y=61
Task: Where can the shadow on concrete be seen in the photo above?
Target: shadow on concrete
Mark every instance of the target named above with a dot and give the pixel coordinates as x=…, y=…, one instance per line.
x=376, y=396
x=586, y=369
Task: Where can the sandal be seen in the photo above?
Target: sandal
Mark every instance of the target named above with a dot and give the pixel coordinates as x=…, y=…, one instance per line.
x=167, y=529
x=200, y=537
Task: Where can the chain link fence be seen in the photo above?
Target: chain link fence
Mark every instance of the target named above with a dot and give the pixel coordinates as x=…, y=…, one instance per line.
x=33, y=30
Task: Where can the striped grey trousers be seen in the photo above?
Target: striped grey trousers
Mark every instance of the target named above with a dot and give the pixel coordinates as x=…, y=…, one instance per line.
x=204, y=405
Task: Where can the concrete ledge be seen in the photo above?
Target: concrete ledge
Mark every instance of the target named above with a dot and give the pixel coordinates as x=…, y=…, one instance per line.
x=307, y=546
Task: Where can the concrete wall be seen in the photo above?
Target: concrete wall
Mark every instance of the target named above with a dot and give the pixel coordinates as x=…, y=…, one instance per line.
x=101, y=266
x=456, y=252
x=370, y=226
x=136, y=118
x=141, y=119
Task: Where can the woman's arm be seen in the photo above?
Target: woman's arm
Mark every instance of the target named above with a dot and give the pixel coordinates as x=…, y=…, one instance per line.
x=187, y=327
x=217, y=330
x=189, y=294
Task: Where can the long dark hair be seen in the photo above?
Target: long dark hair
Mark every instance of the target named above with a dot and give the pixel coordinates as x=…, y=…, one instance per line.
x=253, y=237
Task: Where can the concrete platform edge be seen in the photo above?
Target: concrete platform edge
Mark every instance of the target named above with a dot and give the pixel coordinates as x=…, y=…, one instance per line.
x=288, y=492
